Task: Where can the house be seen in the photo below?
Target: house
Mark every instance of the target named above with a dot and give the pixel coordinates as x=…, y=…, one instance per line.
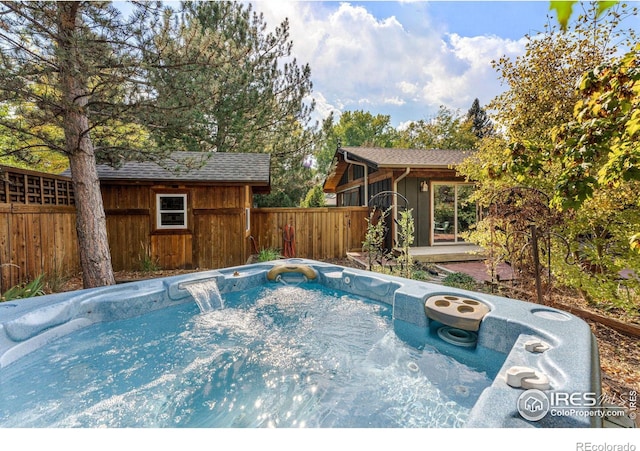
x=191, y=210
x=425, y=181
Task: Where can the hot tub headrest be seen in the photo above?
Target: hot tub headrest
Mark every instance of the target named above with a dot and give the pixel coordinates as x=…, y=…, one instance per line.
x=278, y=270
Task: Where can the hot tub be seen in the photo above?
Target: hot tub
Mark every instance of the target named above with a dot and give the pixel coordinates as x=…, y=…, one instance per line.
x=293, y=343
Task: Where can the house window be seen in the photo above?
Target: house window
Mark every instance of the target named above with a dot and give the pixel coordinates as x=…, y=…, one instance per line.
x=358, y=172
x=350, y=198
x=172, y=211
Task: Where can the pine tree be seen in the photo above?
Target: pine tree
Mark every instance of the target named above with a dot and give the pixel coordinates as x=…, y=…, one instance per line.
x=481, y=125
x=85, y=81
x=251, y=94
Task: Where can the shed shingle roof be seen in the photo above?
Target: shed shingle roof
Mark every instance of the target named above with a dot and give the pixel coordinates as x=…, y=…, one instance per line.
x=251, y=168
x=415, y=158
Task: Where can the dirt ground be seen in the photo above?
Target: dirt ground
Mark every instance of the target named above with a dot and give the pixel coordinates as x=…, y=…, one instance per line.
x=619, y=353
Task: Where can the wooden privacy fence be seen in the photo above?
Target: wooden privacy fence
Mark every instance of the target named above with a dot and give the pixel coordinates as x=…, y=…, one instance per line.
x=37, y=226
x=319, y=233
x=38, y=230
x=219, y=237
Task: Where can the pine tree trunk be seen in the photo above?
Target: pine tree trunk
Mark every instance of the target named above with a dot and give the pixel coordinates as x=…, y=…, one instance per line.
x=91, y=226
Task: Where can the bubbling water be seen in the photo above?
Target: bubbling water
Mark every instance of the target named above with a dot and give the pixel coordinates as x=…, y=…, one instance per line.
x=278, y=356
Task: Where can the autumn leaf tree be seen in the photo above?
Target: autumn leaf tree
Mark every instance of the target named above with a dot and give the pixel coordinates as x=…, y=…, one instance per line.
x=600, y=147
x=599, y=179
x=535, y=112
x=447, y=130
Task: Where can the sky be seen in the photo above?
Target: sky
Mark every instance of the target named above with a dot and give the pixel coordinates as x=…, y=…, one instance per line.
x=405, y=59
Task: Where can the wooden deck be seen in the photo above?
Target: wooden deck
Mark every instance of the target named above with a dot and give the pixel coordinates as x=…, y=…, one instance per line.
x=448, y=253
x=435, y=254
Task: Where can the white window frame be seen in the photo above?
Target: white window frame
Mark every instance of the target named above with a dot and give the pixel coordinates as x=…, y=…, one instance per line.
x=159, y=212
x=456, y=185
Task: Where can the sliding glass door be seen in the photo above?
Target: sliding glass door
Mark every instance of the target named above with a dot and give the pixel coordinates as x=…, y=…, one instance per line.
x=453, y=212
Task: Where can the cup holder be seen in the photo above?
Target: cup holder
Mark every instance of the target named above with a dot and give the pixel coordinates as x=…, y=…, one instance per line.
x=465, y=309
x=456, y=311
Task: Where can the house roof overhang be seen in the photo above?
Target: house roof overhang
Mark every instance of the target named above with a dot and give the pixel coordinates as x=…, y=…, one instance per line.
x=390, y=158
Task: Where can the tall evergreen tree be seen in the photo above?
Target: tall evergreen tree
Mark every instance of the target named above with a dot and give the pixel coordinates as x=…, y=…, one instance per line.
x=481, y=125
x=85, y=81
x=253, y=96
x=252, y=93
x=63, y=64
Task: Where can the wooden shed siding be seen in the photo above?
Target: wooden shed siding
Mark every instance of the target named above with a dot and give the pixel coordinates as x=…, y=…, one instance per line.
x=125, y=197
x=204, y=197
x=129, y=239
x=214, y=237
x=172, y=251
x=220, y=237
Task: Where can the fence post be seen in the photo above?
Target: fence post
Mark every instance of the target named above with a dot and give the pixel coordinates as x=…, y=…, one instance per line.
x=536, y=261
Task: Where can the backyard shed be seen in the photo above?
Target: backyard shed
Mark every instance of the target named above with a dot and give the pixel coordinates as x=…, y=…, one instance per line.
x=425, y=180
x=192, y=210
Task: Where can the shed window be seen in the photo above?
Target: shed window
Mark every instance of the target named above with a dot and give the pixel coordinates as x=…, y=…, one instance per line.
x=172, y=211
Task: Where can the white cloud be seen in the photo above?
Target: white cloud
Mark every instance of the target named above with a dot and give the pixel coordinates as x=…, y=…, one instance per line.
x=324, y=108
x=407, y=88
x=361, y=62
x=394, y=101
x=464, y=71
x=404, y=125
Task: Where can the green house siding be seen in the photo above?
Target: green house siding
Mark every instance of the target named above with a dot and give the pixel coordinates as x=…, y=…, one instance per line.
x=419, y=202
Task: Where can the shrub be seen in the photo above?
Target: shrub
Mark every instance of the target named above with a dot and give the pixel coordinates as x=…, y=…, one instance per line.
x=373, y=243
x=269, y=254
x=460, y=280
x=147, y=262
x=406, y=238
x=314, y=198
x=27, y=290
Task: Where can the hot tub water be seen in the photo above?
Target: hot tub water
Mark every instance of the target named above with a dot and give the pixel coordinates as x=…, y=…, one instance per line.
x=281, y=356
